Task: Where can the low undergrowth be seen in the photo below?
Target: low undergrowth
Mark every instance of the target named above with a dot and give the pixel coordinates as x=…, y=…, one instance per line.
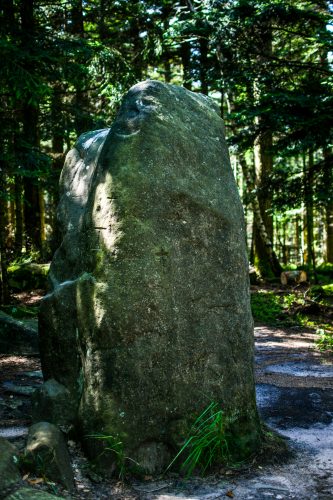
x=310, y=308
x=207, y=443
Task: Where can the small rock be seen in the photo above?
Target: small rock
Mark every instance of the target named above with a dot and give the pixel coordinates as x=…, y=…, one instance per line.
x=52, y=402
x=47, y=448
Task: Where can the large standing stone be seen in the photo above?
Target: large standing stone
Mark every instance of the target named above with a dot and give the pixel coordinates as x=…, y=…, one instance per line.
x=148, y=319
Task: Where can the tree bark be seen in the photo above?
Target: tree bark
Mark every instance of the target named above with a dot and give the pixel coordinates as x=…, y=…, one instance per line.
x=18, y=215
x=259, y=223
x=4, y=288
x=30, y=136
x=308, y=200
x=204, y=65
x=263, y=158
x=260, y=231
x=328, y=175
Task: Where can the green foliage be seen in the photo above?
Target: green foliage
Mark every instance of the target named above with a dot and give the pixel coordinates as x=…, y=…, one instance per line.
x=266, y=307
x=324, y=341
x=207, y=444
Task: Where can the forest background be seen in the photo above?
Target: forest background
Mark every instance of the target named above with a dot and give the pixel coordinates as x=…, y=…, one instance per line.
x=66, y=64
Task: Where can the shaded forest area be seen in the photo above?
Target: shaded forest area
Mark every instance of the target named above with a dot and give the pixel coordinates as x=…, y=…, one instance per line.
x=65, y=65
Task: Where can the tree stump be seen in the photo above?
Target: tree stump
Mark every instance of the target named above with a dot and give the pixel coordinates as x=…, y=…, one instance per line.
x=293, y=277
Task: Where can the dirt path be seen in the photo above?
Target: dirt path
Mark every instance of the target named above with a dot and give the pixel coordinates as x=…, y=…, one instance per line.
x=295, y=397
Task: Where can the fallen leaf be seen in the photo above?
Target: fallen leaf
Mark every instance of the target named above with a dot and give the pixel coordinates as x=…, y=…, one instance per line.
x=229, y=494
x=148, y=478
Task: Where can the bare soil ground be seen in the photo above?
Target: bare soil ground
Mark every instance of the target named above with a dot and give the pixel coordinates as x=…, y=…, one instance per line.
x=295, y=398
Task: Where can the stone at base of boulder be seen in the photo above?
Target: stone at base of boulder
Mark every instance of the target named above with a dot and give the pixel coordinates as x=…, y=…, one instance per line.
x=9, y=472
x=52, y=403
x=30, y=494
x=152, y=457
x=47, y=449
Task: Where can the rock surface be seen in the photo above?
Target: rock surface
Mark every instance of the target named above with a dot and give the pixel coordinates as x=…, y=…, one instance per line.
x=9, y=472
x=52, y=402
x=47, y=449
x=148, y=318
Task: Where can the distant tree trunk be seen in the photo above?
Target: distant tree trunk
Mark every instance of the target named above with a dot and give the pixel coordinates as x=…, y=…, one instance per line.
x=263, y=167
x=259, y=224
x=297, y=239
x=328, y=175
x=31, y=210
x=18, y=216
x=185, y=52
x=329, y=232
x=166, y=12
x=77, y=17
x=263, y=158
x=308, y=200
x=258, y=221
x=138, y=64
x=32, y=220
x=204, y=65
x=4, y=289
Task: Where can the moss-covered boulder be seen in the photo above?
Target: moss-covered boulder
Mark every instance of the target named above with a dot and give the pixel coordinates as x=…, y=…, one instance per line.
x=27, y=276
x=148, y=319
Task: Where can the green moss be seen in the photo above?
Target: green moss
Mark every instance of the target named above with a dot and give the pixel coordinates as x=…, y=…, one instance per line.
x=266, y=307
x=264, y=268
x=28, y=276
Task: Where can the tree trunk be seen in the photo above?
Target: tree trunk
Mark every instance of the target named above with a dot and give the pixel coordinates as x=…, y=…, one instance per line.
x=31, y=210
x=329, y=232
x=328, y=175
x=18, y=216
x=204, y=65
x=30, y=114
x=308, y=200
x=258, y=221
x=260, y=233
x=263, y=160
x=4, y=289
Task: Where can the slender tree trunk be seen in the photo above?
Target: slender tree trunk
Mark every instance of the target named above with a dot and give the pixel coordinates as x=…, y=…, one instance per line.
x=329, y=232
x=204, y=65
x=185, y=52
x=259, y=223
x=18, y=215
x=31, y=210
x=30, y=114
x=328, y=175
x=4, y=288
x=260, y=232
x=263, y=168
x=308, y=200
x=297, y=239
x=167, y=56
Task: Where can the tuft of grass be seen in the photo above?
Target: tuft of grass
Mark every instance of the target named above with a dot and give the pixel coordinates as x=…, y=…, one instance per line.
x=113, y=444
x=207, y=443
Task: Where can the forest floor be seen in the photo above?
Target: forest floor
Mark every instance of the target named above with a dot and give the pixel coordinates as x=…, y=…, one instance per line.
x=294, y=382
